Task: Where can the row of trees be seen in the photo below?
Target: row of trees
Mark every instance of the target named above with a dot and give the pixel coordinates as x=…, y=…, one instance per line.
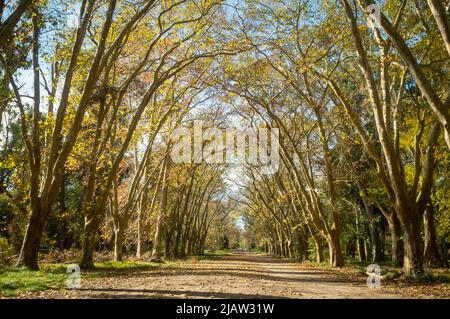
x=110, y=81
x=363, y=116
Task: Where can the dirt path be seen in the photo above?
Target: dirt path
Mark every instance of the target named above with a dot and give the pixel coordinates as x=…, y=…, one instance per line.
x=240, y=275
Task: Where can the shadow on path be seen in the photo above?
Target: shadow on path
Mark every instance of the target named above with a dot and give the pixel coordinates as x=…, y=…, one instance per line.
x=156, y=293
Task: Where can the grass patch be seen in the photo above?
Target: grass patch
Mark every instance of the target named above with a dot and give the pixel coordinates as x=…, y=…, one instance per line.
x=223, y=252
x=19, y=280
x=125, y=265
x=211, y=254
x=259, y=251
x=14, y=281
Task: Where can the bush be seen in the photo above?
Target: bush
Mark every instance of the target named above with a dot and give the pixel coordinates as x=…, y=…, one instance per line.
x=61, y=256
x=103, y=256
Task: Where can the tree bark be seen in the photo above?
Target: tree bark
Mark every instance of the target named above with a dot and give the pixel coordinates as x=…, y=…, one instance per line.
x=361, y=250
x=431, y=254
x=89, y=241
x=157, y=250
x=141, y=246
x=336, y=256
x=360, y=240
x=30, y=246
x=413, y=254
x=396, y=241
x=118, y=244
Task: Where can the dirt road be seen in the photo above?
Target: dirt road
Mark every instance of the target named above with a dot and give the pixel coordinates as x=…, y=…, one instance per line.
x=240, y=275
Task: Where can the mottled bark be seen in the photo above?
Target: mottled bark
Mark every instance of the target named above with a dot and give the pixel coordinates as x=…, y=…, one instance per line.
x=396, y=241
x=431, y=254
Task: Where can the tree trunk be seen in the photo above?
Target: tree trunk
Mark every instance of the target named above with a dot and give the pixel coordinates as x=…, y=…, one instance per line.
x=302, y=246
x=360, y=240
x=167, y=245
x=413, y=258
x=140, y=249
x=431, y=255
x=30, y=247
x=361, y=249
x=288, y=249
x=377, y=247
x=375, y=231
x=444, y=252
x=118, y=244
x=176, y=245
x=336, y=257
x=281, y=244
x=89, y=241
x=319, y=249
x=368, y=249
x=182, y=252
x=157, y=252
x=396, y=241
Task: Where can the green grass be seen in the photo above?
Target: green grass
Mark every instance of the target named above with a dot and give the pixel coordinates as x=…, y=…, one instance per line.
x=19, y=280
x=218, y=252
x=14, y=281
x=125, y=265
x=259, y=251
x=211, y=254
